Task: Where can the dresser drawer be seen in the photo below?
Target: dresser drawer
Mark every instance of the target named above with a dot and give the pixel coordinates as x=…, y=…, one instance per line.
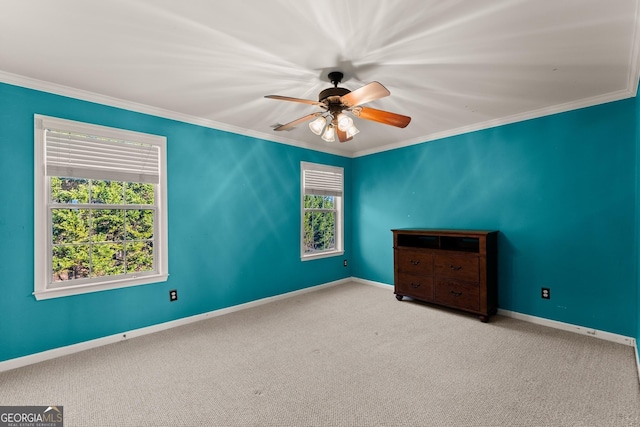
x=414, y=262
x=411, y=285
x=458, y=294
x=461, y=267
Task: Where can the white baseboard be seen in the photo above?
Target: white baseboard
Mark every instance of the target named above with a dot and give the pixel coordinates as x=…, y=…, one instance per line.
x=637, y=360
x=86, y=345
x=607, y=336
x=371, y=282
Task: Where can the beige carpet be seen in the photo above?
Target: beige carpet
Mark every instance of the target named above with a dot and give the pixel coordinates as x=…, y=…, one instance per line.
x=349, y=355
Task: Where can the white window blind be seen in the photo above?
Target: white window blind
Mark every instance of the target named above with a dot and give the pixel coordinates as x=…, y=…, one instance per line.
x=322, y=181
x=77, y=155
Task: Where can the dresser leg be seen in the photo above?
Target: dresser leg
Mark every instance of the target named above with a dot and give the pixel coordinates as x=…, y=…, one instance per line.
x=484, y=319
x=399, y=297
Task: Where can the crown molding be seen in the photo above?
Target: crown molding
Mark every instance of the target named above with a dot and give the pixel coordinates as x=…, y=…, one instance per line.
x=520, y=117
x=631, y=91
x=83, y=95
x=57, y=89
x=634, y=61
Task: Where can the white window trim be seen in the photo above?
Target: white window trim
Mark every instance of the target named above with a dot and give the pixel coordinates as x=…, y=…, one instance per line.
x=339, y=250
x=42, y=238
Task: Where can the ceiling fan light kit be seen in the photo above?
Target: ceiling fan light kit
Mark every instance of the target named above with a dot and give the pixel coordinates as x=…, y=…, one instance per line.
x=335, y=102
x=345, y=124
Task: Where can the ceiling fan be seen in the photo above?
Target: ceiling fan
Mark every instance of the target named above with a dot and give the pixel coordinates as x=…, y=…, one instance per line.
x=335, y=101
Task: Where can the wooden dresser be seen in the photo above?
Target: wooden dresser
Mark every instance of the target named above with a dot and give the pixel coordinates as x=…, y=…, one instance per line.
x=453, y=268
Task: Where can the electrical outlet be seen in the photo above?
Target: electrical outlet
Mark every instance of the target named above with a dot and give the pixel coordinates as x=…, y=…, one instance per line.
x=173, y=295
x=344, y=263
x=546, y=293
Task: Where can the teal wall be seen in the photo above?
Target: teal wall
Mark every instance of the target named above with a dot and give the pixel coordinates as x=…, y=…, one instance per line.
x=234, y=220
x=561, y=189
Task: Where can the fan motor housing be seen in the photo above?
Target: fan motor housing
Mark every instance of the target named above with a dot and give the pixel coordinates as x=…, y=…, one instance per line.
x=332, y=91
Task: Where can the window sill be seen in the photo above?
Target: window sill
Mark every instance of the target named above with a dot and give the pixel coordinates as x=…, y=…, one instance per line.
x=320, y=255
x=89, y=288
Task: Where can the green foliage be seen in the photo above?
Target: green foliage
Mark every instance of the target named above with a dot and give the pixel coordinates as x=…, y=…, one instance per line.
x=319, y=223
x=92, y=241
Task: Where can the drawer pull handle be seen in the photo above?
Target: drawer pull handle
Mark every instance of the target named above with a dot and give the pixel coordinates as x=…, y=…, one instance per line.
x=414, y=261
x=456, y=294
x=455, y=267
x=415, y=285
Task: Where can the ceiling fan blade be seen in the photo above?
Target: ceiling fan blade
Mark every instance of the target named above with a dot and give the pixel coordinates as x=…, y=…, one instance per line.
x=381, y=116
x=366, y=93
x=296, y=122
x=342, y=135
x=287, y=98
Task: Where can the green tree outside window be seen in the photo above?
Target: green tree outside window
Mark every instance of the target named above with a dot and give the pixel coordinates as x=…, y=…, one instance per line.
x=100, y=228
x=319, y=223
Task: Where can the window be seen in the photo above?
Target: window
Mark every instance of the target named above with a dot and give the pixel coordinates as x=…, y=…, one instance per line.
x=322, y=219
x=100, y=208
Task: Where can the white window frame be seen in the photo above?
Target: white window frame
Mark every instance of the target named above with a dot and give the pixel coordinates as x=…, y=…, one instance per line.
x=43, y=250
x=339, y=204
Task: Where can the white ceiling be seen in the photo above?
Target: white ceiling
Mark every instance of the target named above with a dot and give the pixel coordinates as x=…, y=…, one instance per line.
x=453, y=66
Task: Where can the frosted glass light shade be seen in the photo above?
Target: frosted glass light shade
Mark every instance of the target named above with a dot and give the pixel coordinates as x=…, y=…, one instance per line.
x=329, y=134
x=317, y=125
x=344, y=122
x=352, y=130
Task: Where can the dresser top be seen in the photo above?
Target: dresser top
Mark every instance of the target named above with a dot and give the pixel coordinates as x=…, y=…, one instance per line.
x=442, y=231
